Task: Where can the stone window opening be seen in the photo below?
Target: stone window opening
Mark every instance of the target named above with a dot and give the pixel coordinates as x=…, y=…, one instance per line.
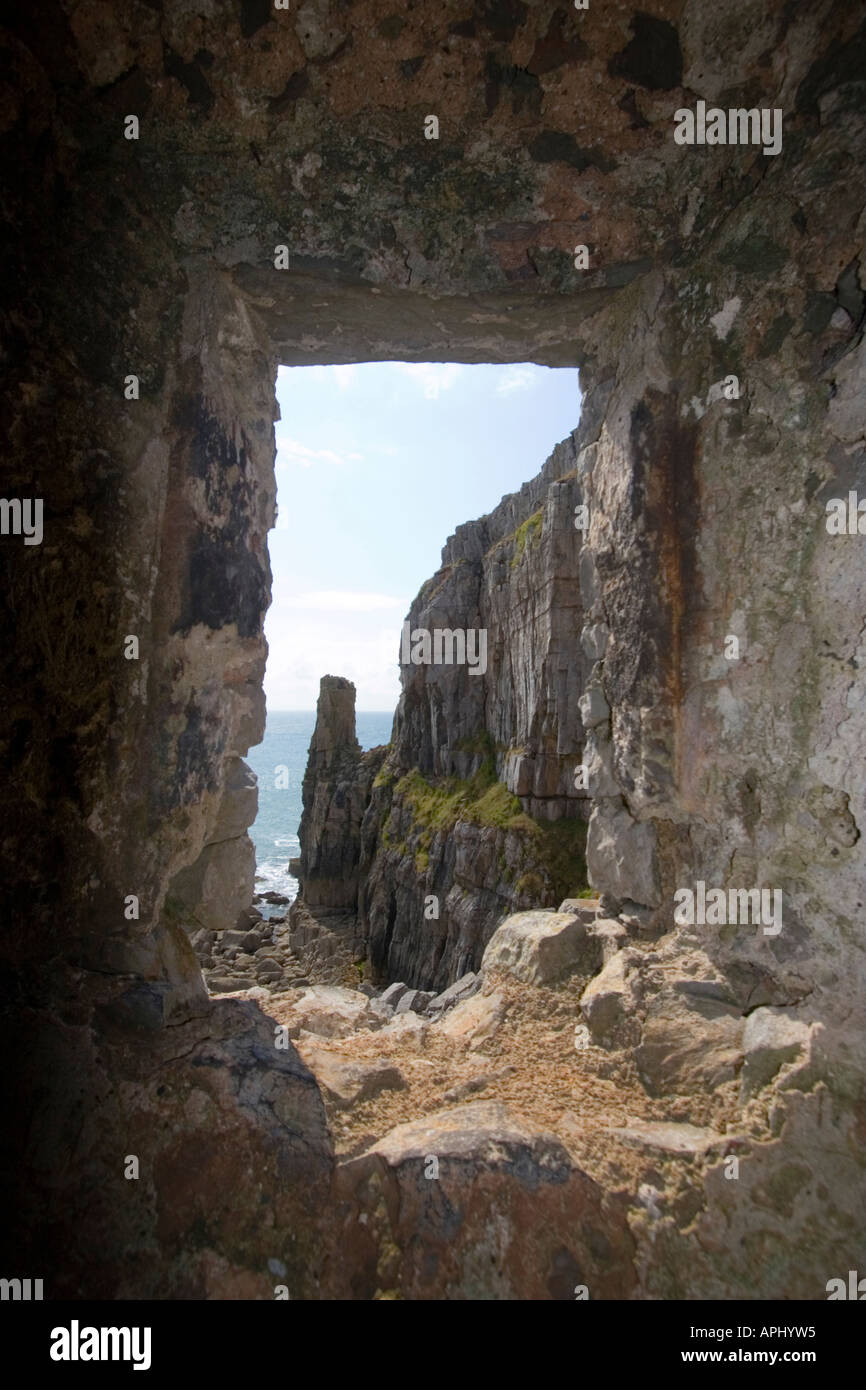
x=225, y=929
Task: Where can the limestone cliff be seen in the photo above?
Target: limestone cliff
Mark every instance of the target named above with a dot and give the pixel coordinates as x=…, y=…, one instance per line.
x=474, y=812
x=157, y=160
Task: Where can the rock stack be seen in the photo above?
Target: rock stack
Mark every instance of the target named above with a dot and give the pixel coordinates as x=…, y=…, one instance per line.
x=336, y=792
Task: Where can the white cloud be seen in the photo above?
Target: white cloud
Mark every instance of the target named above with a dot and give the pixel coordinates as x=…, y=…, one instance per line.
x=304, y=647
x=516, y=378
x=435, y=377
x=339, y=601
x=292, y=451
x=345, y=375
x=317, y=372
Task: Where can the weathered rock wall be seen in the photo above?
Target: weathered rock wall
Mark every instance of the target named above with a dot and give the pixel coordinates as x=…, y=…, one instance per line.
x=731, y=766
x=155, y=257
x=438, y=876
x=159, y=532
x=430, y=873
x=513, y=575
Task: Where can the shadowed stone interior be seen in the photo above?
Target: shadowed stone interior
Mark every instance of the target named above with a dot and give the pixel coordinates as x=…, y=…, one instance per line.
x=155, y=257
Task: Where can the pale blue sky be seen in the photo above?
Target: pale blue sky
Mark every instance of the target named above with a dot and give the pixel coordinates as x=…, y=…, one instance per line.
x=377, y=464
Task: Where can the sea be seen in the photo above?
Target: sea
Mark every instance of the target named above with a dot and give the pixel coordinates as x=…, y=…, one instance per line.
x=275, y=831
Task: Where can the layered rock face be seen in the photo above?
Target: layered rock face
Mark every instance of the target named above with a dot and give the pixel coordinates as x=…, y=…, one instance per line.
x=513, y=576
x=336, y=792
x=474, y=812
x=718, y=326
x=477, y=813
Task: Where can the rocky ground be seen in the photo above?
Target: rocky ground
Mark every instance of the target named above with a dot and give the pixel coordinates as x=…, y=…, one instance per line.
x=536, y=1048
x=290, y=949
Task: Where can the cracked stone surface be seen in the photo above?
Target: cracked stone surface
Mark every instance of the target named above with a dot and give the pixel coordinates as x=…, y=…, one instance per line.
x=125, y=779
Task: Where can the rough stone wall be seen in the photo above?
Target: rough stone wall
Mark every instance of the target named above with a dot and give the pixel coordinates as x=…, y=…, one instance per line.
x=156, y=257
x=513, y=575
x=733, y=771
x=734, y=767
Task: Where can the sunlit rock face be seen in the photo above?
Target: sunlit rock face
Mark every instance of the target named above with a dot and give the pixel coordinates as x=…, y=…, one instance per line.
x=503, y=707
x=429, y=883
x=512, y=577
x=739, y=766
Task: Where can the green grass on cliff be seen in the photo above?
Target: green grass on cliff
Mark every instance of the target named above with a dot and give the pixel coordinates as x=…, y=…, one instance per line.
x=482, y=743
x=386, y=776
x=526, y=535
x=439, y=806
x=481, y=799
x=555, y=849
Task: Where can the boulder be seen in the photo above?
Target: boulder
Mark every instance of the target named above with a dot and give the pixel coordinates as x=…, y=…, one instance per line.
x=407, y=1028
x=347, y=1082
x=542, y=947
x=382, y=1012
x=584, y=907
x=231, y=940
x=669, y=1137
x=771, y=1038
x=608, y=1001
x=717, y=989
x=256, y=939
x=327, y=1010
x=475, y=1020
x=257, y=992
x=689, y=1044
x=461, y=989
x=393, y=993
x=414, y=1000
x=226, y=984
x=478, y=1204
x=249, y=917
x=406, y=1003
x=484, y=1132
x=611, y=935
